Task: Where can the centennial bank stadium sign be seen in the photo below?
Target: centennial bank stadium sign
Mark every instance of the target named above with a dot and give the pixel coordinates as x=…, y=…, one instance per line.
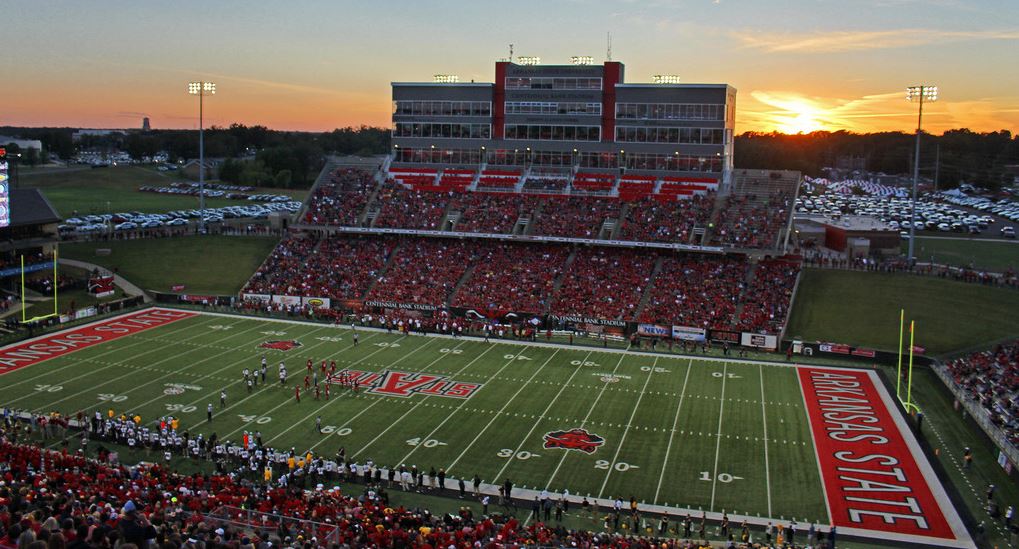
x=406, y=384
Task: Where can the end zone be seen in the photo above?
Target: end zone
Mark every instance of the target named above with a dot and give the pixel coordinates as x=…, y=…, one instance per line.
x=876, y=479
x=33, y=351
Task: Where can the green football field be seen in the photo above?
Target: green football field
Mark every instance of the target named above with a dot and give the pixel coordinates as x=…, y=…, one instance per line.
x=677, y=432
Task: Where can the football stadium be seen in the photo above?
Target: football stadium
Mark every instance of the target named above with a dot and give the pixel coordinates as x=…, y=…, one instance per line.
x=553, y=311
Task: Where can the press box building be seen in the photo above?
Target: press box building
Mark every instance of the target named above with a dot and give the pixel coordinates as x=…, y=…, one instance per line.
x=567, y=116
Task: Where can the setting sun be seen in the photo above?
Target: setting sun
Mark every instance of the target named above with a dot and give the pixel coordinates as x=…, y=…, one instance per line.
x=801, y=123
x=797, y=116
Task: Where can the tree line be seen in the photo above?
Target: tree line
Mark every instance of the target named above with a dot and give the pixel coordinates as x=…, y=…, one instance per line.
x=956, y=156
x=261, y=156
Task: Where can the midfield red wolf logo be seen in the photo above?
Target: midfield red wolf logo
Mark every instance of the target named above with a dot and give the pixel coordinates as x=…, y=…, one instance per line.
x=405, y=384
x=284, y=345
x=574, y=439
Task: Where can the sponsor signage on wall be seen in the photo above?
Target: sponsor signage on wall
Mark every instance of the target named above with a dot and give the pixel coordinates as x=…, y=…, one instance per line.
x=688, y=333
x=761, y=341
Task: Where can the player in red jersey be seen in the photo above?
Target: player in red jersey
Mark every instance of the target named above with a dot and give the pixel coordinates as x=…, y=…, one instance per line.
x=297, y=394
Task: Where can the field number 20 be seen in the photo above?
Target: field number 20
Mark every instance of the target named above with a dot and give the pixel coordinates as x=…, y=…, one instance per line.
x=619, y=466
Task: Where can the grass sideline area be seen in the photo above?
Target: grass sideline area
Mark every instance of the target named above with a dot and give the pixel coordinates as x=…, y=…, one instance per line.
x=211, y=264
x=989, y=254
x=83, y=191
x=862, y=308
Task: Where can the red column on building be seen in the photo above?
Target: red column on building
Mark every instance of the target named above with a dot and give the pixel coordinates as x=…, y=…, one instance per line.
x=499, y=100
x=613, y=75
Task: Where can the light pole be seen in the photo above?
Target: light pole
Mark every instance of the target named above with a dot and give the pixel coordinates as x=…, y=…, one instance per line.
x=920, y=94
x=201, y=89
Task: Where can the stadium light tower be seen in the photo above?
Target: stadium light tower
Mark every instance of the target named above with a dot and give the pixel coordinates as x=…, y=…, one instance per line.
x=918, y=94
x=201, y=89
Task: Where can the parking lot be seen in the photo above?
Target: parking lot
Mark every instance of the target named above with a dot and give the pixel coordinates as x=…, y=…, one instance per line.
x=936, y=214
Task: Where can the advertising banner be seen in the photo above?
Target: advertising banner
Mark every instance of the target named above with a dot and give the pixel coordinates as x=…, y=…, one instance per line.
x=688, y=333
x=287, y=300
x=5, y=204
x=654, y=330
x=316, y=302
x=725, y=336
x=256, y=297
x=395, y=305
x=761, y=341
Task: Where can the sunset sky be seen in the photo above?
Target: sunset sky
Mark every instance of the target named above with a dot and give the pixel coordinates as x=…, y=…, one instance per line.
x=798, y=65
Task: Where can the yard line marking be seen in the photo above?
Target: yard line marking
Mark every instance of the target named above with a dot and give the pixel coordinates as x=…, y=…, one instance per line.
x=135, y=372
x=419, y=403
x=265, y=385
x=97, y=370
x=504, y=406
x=542, y=416
x=718, y=438
x=582, y=423
x=675, y=421
x=764, y=419
x=78, y=360
x=451, y=414
x=813, y=443
x=384, y=398
x=633, y=414
x=212, y=394
x=366, y=408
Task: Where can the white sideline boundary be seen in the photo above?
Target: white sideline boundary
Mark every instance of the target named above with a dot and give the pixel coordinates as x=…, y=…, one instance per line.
x=963, y=541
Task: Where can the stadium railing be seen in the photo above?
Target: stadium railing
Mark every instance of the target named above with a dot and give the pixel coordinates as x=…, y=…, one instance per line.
x=266, y=525
x=978, y=414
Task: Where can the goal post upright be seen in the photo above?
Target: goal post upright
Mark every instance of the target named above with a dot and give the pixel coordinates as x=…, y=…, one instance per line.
x=898, y=377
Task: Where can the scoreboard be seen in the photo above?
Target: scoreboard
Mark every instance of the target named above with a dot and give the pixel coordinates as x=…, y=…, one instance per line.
x=5, y=184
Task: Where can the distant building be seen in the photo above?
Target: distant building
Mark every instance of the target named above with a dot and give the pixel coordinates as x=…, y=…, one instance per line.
x=22, y=144
x=145, y=124
x=32, y=234
x=76, y=136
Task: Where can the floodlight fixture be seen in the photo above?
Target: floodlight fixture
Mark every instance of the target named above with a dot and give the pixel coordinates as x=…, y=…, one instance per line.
x=582, y=60
x=201, y=89
x=446, y=78
x=665, y=79
x=919, y=94
x=528, y=60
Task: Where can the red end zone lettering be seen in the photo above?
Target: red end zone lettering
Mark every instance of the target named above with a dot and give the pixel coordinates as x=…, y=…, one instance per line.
x=871, y=478
x=34, y=351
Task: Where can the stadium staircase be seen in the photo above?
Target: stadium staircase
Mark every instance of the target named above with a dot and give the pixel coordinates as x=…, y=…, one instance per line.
x=519, y=187
x=623, y=212
x=559, y=279
x=385, y=269
x=716, y=214
x=615, y=186
x=523, y=225
x=608, y=227
x=463, y=280
x=528, y=228
x=450, y=220
x=751, y=272
x=324, y=175
x=371, y=212
x=649, y=289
